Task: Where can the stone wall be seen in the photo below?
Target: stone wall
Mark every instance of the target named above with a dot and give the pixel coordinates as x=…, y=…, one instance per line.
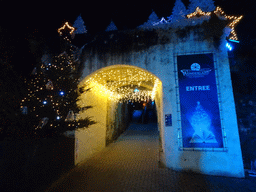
x=93, y=139
x=118, y=120
x=112, y=119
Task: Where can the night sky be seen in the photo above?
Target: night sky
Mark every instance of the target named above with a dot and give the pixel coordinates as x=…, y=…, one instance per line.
x=22, y=23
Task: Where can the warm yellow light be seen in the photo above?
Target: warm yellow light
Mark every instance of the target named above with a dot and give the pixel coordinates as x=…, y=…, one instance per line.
x=220, y=13
x=156, y=86
x=64, y=26
x=232, y=24
x=119, y=83
x=199, y=12
x=103, y=91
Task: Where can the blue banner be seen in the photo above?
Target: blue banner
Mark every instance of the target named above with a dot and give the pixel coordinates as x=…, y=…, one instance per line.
x=200, y=117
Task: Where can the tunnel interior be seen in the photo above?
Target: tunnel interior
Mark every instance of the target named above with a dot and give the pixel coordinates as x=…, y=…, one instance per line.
x=119, y=95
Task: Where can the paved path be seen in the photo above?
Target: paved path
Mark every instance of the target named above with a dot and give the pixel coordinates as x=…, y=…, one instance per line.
x=131, y=164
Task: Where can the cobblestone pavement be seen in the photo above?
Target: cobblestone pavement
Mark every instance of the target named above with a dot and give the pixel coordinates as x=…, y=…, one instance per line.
x=131, y=164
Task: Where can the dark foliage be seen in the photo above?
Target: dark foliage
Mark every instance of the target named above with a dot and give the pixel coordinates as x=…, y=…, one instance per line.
x=12, y=90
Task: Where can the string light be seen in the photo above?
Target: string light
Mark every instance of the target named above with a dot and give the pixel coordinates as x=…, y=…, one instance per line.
x=124, y=83
x=199, y=12
x=220, y=13
x=232, y=24
x=39, y=82
x=72, y=29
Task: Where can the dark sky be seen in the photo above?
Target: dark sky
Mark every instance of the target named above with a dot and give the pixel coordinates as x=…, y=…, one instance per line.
x=21, y=21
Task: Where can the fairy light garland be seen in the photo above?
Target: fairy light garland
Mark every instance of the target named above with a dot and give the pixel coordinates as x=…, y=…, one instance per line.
x=55, y=94
x=220, y=13
x=39, y=83
x=199, y=12
x=232, y=24
x=119, y=84
x=72, y=29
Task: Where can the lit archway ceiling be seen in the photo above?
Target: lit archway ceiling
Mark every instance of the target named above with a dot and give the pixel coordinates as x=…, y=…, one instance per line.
x=124, y=83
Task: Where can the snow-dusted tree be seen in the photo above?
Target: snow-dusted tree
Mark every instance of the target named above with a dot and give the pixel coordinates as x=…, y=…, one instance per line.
x=179, y=11
x=79, y=25
x=153, y=18
x=204, y=5
x=208, y=5
x=111, y=27
x=192, y=6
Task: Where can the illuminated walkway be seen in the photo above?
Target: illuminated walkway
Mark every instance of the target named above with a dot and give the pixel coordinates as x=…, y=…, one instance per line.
x=131, y=164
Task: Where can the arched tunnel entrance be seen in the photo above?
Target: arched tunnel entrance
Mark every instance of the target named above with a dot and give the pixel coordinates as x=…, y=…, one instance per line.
x=119, y=95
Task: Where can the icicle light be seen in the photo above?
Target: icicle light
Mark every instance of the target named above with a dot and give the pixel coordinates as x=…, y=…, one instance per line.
x=119, y=84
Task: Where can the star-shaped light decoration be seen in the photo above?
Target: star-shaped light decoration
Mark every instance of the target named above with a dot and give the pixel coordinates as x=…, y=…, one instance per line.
x=220, y=13
x=234, y=21
x=72, y=29
x=198, y=12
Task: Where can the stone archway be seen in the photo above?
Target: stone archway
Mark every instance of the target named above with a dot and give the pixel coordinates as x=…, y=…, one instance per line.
x=158, y=50
x=111, y=88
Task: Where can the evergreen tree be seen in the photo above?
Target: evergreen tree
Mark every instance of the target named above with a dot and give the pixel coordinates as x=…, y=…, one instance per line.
x=204, y=5
x=50, y=107
x=208, y=5
x=179, y=11
x=153, y=18
x=79, y=25
x=192, y=6
x=111, y=27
